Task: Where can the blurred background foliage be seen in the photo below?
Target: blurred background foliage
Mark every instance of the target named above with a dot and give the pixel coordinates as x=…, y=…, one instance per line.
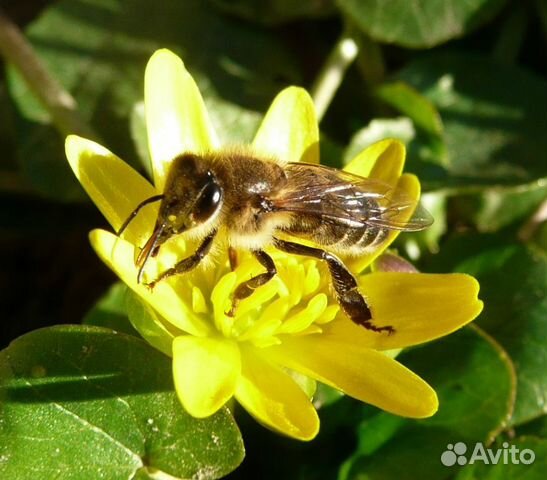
x=463, y=84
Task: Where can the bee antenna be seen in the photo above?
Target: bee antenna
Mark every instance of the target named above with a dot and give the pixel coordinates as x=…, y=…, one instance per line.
x=148, y=250
x=133, y=214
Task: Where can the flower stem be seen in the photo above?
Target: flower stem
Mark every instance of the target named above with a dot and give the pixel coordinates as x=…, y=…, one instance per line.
x=62, y=107
x=331, y=74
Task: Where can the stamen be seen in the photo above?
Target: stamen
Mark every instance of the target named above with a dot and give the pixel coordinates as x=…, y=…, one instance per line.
x=305, y=317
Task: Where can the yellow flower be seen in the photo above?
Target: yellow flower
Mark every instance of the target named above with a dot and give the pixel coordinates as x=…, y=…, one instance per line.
x=291, y=324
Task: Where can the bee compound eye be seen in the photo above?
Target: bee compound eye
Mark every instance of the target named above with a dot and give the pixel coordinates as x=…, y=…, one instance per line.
x=208, y=202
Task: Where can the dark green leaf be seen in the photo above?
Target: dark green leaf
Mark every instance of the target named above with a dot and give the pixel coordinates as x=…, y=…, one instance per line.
x=536, y=428
x=325, y=396
x=42, y=162
x=493, y=128
x=429, y=138
x=498, y=208
x=411, y=103
x=513, y=284
x=475, y=381
x=82, y=402
x=378, y=129
x=419, y=23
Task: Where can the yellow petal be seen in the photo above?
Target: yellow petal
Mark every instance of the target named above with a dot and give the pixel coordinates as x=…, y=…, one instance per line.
x=176, y=118
x=119, y=256
x=113, y=186
x=420, y=306
x=383, y=160
x=205, y=371
x=274, y=398
x=408, y=187
x=360, y=372
x=289, y=131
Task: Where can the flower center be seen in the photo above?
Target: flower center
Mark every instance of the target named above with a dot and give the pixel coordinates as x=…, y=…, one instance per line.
x=295, y=302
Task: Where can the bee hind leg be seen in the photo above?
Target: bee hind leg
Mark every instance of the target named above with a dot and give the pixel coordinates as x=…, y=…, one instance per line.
x=245, y=289
x=344, y=283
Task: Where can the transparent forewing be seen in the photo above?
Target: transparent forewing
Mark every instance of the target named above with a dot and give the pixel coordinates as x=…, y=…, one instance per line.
x=336, y=195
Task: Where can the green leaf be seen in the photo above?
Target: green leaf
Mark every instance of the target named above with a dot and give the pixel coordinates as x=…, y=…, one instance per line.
x=82, y=402
x=536, y=428
x=497, y=208
x=378, y=129
x=411, y=103
x=408, y=101
x=494, y=132
x=474, y=380
x=42, y=161
x=325, y=396
x=109, y=311
x=98, y=49
x=419, y=243
x=419, y=23
x=476, y=389
x=513, y=281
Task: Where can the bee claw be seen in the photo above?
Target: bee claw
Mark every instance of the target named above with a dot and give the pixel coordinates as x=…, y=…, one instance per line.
x=150, y=286
x=389, y=329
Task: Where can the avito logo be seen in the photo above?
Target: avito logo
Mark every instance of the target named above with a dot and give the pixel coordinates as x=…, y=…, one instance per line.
x=509, y=454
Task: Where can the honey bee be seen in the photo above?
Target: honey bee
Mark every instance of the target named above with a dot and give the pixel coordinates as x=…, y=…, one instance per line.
x=256, y=203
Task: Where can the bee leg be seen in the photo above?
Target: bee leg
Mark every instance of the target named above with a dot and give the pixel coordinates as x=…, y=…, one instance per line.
x=187, y=263
x=344, y=283
x=245, y=289
x=232, y=257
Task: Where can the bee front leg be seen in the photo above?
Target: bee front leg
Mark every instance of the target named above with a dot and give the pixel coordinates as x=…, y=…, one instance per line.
x=344, y=283
x=188, y=263
x=245, y=289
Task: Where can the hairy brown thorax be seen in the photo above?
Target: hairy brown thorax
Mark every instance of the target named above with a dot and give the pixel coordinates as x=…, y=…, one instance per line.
x=249, y=184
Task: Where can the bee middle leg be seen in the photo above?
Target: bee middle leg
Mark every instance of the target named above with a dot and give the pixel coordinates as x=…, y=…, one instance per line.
x=232, y=257
x=344, y=283
x=245, y=289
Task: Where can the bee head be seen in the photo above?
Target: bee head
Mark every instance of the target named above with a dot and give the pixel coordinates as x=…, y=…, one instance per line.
x=192, y=196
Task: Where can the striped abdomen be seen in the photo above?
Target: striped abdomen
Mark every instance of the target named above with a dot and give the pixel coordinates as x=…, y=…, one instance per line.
x=337, y=235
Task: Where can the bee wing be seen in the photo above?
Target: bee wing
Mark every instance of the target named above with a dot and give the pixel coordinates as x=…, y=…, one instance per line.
x=346, y=198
